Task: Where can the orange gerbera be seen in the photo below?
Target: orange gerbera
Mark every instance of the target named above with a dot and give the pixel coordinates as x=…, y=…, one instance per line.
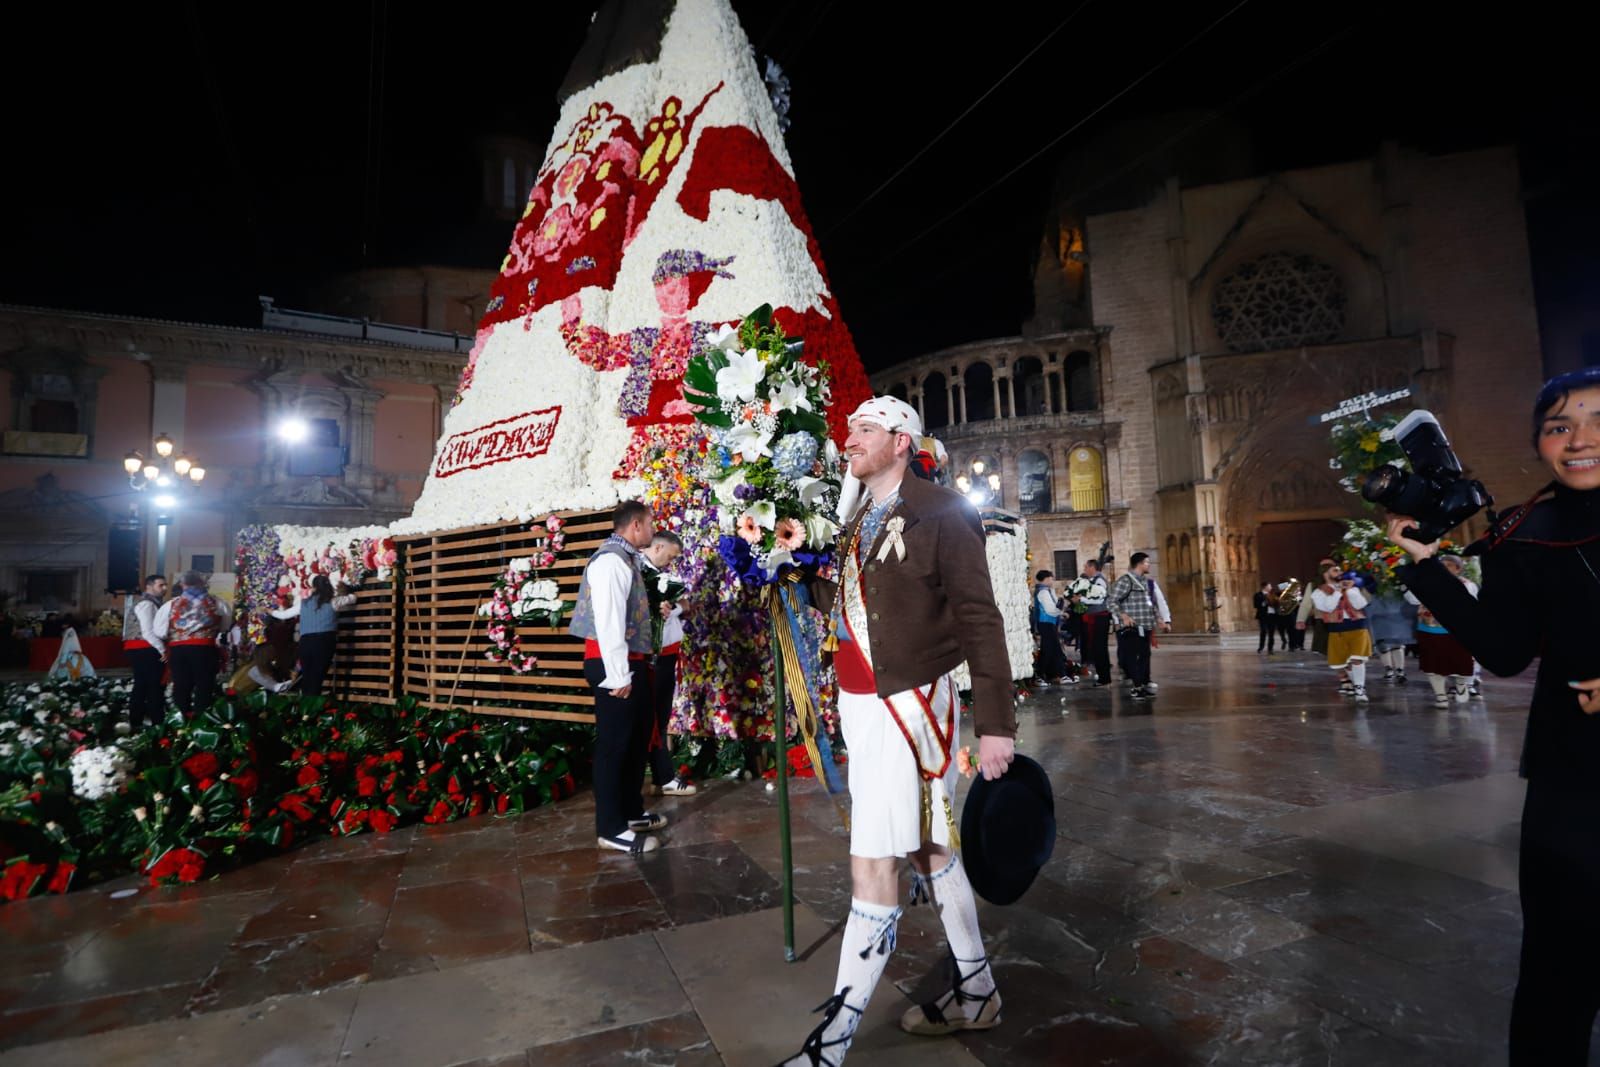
x=790, y=534
x=748, y=529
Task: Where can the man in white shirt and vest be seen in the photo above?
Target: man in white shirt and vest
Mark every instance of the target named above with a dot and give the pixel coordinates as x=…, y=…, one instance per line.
x=146, y=653
x=192, y=625
x=913, y=601
x=613, y=618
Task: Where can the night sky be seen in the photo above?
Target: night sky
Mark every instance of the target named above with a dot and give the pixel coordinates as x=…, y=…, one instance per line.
x=178, y=160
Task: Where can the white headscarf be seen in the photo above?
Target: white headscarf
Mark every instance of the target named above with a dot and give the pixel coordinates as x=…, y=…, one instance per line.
x=892, y=414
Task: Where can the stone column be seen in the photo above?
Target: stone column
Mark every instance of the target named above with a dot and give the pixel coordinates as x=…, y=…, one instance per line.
x=916, y=398
x=950, y=399
x=996, y=383
x=1011, y=395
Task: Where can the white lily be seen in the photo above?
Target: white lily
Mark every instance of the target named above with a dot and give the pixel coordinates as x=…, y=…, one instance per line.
x=765, y=512
x=830, y=455
x=820, y=531
x=790, y=396
x=811, y=490
x=725, y=338
x=748, y=441
x=738, y=380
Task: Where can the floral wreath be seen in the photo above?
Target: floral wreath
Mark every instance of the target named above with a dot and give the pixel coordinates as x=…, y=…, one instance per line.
x=522, y=598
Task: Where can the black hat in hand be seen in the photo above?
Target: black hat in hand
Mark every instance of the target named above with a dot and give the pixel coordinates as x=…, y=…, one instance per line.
x=1008, y=830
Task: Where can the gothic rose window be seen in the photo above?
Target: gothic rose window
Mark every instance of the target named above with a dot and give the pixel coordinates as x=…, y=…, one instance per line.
x=1281, y=300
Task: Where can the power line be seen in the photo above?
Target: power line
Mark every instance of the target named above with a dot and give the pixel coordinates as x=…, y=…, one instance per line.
x=848, y=215
x=980, y=194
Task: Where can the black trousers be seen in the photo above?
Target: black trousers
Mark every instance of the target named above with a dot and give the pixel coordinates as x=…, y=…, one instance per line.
x=622, y=730
x=194, y=676
x=1558, y=987
x=1096, y=643
x=316, y=657
x=1269, y=630
x=1133, y=650
x=1052, y=660
x=663, y=681
x=147, y=704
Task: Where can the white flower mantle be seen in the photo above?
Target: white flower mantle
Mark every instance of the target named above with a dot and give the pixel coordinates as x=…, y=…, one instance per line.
x=523, y=365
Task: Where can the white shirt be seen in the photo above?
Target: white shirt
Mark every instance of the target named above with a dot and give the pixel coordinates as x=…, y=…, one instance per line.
x=163, y=620
x=1047, y=603
x=1327, y=602
x=145, y=613
x=611, y=578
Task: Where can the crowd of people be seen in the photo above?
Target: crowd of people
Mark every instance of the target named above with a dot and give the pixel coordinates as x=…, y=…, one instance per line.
x=1082, y=618
x=190, y=639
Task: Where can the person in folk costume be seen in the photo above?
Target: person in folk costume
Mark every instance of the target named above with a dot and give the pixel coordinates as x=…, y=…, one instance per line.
x=1445, y=660
x=318, y=613
x=1092, y=590
x=1339, y=603
x=193, y=624
x=664, y=548
x=146, y=653
x=70, y=660
x=613, y=617
x=1047, y=614
x=912, y=602
x=1308, y=617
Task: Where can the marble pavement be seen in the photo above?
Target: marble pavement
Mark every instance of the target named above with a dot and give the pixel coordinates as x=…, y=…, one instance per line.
x=1249, y=871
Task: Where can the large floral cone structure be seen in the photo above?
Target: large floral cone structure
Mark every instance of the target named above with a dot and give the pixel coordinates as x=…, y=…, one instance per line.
x=666, y=207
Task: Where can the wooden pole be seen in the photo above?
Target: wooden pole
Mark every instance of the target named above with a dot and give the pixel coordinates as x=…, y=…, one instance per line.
x=462, y=663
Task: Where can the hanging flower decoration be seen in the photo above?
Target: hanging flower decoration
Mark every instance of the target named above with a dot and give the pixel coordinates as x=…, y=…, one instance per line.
x=770, y=464
x=522, y=598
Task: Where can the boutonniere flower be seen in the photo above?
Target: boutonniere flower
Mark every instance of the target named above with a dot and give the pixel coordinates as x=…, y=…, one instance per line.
x=892, y=539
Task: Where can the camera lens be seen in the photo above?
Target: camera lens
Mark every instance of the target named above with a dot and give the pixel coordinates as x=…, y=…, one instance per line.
x=1384, y=485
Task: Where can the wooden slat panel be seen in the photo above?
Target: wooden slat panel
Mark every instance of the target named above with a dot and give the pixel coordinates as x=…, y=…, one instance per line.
x=424, y=638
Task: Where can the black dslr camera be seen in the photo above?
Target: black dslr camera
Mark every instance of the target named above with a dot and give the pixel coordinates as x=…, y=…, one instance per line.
x=1433, y=492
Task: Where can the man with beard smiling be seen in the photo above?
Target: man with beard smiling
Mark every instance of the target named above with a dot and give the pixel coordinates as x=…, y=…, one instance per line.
x=913, y=601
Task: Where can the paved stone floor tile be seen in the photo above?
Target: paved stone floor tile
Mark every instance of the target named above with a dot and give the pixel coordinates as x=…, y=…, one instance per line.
x=500, y=1007
x=676, y=1041
x=252, y=971
x=304, y=1031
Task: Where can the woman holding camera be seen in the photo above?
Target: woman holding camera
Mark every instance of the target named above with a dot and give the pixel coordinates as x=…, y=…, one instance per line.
x=1541, y=597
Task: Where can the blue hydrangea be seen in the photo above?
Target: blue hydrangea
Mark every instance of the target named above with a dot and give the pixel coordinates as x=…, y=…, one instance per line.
x=794, y=454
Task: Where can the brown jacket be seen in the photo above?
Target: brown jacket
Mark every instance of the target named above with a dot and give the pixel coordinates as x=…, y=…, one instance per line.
x=937, y=605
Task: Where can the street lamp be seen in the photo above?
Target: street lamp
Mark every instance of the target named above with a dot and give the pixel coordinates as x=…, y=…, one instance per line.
x=980, y=489
x=167, y=473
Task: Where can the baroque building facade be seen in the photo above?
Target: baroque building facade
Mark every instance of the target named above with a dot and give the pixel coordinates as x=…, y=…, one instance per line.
x=1217, y=322
x=84, y=390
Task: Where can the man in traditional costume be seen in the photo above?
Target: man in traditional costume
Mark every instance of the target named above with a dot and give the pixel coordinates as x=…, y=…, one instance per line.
x=1340, y=604
x=613, y=617
x=913, y=601
x=192, y=625
x=1092, y=591
x=146, y=653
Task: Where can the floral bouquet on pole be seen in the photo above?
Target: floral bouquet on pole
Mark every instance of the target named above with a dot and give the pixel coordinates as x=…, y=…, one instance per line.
x=522, y=598
x=772, y=468
x=774, y=473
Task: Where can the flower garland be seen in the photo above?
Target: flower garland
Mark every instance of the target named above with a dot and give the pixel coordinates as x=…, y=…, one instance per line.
x=522, y=598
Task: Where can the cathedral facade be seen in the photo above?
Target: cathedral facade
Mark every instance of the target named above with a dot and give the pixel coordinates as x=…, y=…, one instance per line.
x=1166, y=396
